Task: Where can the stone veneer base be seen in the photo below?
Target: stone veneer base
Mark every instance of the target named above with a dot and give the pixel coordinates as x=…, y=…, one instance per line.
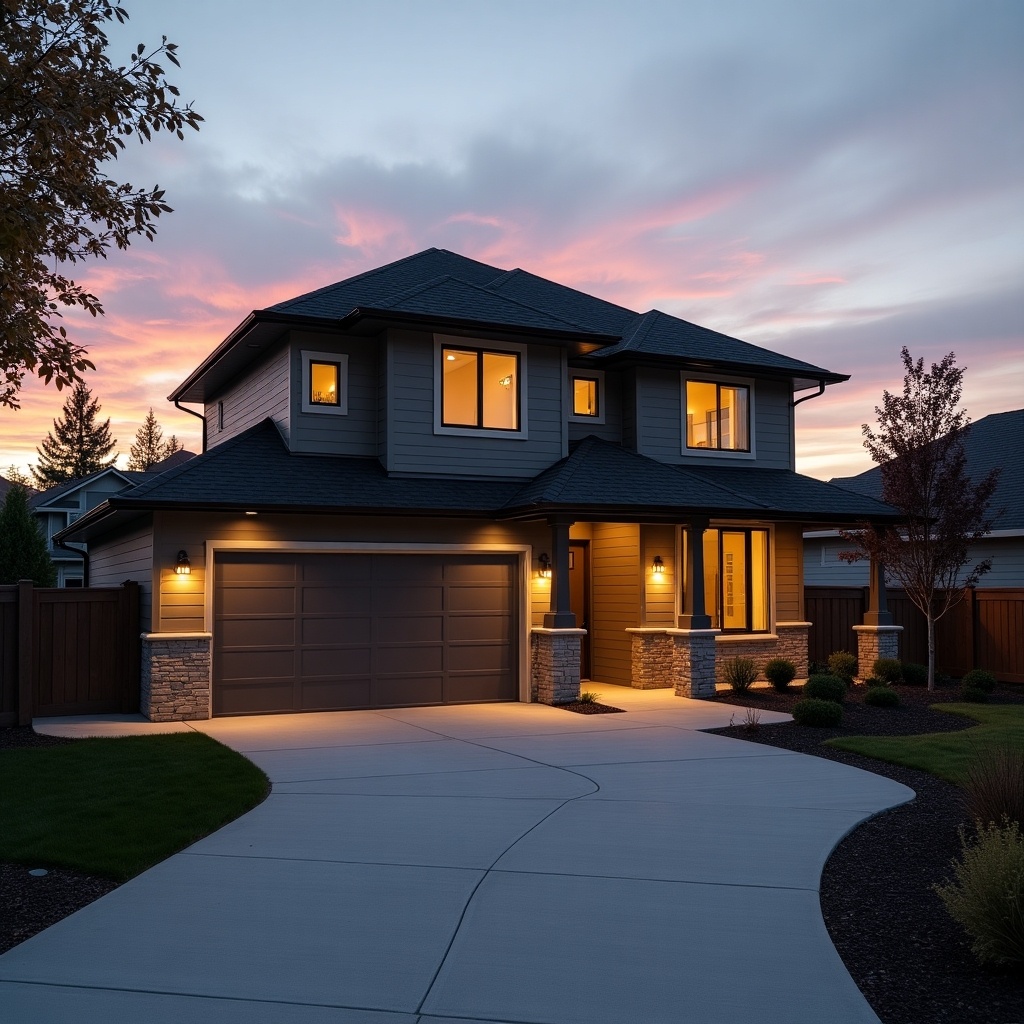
x=874, y=642
x=789, y=641
x=177, y=677
x=693, y=661
x=555, y=665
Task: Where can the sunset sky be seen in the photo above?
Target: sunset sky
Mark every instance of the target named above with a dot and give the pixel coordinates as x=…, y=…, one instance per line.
x=831, y=179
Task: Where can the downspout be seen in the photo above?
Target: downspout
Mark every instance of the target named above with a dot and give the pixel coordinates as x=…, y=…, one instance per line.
x=796, y=402
x=83, y=554
x=200, y=416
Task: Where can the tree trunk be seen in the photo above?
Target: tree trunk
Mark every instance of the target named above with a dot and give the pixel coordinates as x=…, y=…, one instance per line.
x=931, y=651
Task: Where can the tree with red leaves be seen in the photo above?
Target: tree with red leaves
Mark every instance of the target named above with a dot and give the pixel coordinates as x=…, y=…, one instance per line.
x=919, y=445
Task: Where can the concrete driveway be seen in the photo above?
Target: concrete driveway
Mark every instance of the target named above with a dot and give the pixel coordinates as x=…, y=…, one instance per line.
x=506, y=863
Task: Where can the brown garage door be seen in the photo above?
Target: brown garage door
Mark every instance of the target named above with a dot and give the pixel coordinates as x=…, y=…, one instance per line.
x=318, y=632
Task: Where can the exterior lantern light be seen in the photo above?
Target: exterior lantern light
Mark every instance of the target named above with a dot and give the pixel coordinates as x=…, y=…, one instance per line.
x=545, y=566
x=183, y=567
x=659, y=566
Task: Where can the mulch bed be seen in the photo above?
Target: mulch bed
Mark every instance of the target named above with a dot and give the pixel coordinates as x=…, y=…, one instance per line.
x=590, y=707
x=910, y=959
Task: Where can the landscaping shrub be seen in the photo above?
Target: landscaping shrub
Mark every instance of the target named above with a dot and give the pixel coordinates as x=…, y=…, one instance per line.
x=872, y=683
x=825, y=687
x=914, y=674
x=972, y=695
x=842, y=664
x=889, y=670
x=825, y=714
x=740, y=673
x=979, y=679
x=882, y=697
x=986, y=896
x=780, y=672
x=994, y=784
x=588, y=697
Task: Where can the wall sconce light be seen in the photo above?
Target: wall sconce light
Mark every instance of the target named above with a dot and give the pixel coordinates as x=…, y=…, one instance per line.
x=545, y=566
x=659, y=566
x=183, y=566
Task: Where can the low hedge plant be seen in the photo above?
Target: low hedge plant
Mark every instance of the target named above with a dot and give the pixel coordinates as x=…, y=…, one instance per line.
x=842, y=664
x=889, y=670
x=973, y=695
x=780, y=672
x=882, y=697
x=979, y=679
x=914, y=674
x=825, y=687
x=822, y=714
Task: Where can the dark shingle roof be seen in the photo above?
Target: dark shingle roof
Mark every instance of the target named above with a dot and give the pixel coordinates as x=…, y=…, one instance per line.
x=51, y=494
x=994, y=442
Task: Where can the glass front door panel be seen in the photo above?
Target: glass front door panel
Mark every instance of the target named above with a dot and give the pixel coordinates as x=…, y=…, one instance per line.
x=734, y=580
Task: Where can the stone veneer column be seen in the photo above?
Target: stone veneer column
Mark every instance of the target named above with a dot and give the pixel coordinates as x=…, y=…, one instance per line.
x=555, y=665
x=793, y=644
x=875, y=642
x=177, y=676
x=651, y=658
x=693, y=661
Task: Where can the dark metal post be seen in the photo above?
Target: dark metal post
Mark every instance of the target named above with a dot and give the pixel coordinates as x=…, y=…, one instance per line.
x=878, y=613
x=561, y=615
x=694, y=607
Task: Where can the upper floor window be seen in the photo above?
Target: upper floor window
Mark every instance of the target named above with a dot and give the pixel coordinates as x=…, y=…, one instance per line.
x=587, y=396
x=481, y=388
x=325, y=382
x=717, y=415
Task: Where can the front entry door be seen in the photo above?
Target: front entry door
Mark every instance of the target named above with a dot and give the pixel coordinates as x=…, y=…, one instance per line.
x=579, y=597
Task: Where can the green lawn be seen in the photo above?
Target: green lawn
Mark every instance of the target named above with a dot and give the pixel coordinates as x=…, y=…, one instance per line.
x=115, y=807
x=946, y=754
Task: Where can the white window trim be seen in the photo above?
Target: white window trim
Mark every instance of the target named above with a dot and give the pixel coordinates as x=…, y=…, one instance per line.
x=597, y=375
x=442, y=341
x=341, y=358
x=717, y=453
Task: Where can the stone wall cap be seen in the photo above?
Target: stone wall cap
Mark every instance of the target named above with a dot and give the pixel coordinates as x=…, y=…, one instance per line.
x=177, y=636
x=547, y=630
x=748, y=637
x=692, y=632
x=647, y=629
x=793, y=625
x=877, y=629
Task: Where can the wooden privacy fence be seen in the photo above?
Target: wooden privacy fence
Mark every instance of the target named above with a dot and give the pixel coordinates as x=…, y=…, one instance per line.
x=68, y=652
x=985, y=630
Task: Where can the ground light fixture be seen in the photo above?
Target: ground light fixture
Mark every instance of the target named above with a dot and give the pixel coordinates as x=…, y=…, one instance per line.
x=544, y=562
x=183, y=567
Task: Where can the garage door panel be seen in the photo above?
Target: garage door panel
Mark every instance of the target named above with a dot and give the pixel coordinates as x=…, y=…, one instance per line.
x=334, y=629
x=340, y=600
x=255, y=600
x=340, y=662
x=303, y=632
x=258, y=632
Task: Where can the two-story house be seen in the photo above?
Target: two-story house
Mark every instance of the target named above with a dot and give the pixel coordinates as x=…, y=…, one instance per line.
x=441, y=482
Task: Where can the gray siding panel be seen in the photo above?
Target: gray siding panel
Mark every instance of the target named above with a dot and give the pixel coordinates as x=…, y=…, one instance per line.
x=611, y=429
x=261, y=393
x=413, y=447
x=128, y=557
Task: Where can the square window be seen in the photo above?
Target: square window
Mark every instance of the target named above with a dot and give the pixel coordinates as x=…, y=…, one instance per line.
x=717, y=416
x=480, y=389
x=325, y=382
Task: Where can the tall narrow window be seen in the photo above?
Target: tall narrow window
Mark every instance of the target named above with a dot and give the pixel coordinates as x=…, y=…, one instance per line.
x=717, y=416
x=736, y=591
x=584, y=397
x=480, y=388
x=324, y=383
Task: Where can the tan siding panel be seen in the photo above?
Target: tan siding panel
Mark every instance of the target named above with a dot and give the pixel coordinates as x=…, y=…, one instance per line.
x=789, y=583
x=615, y=564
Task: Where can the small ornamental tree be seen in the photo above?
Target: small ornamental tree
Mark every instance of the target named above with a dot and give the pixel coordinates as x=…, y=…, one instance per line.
x=919, y=445
x=23, y=554
x=150, y=447
x=77, y=445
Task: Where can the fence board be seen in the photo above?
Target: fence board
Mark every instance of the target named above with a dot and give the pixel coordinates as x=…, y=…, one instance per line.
x=8, y=656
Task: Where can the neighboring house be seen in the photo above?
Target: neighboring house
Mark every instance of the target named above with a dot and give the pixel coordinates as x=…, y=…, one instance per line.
x=58, y=507
x=995, y=442
x=441, y=482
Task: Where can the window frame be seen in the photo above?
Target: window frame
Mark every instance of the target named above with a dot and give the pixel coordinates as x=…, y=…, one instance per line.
x=339, y=359
x=480, y=347
x=718, y=380
x=598, y=377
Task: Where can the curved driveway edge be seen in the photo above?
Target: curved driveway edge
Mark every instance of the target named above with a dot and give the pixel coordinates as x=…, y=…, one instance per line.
x=512, y=863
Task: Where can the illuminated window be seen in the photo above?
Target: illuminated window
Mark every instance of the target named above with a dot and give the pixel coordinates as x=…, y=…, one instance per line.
x=325, y=382
x=736, y=590
x=480, y=388
x=585, y=398
x=717, y=416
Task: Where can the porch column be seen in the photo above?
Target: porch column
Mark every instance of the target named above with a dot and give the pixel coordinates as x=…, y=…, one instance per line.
x=878, y=613
x=560, y=616
x=694, y=614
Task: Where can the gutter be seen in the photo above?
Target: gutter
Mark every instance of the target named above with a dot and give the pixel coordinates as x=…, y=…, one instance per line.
x=807, y=398
x=81, y=553
x=198, y=415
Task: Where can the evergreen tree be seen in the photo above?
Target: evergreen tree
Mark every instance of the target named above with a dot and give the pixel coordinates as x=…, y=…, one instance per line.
x=150, y=447
x=23, y=554
x=77, y=445
x=15, y=476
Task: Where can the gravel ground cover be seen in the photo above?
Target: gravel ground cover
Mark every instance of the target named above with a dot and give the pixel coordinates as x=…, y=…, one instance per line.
x=911, y=961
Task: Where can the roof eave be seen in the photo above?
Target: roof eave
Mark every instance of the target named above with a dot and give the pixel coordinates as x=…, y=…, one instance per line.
x=811, y=374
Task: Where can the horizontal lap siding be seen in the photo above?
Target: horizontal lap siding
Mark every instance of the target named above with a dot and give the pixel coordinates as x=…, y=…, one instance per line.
x=413, y=447
x=659, y=588
x=355, y=433
x=615, y=574
x=611, y=429
x=129, y=557
x=789, y=584
x=262, y=392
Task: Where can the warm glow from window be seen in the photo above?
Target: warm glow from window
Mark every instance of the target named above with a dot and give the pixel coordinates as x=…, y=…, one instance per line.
x=480, y=389
x=584, y=396
x=324, y=382
x=736, y=591
x=717, y=416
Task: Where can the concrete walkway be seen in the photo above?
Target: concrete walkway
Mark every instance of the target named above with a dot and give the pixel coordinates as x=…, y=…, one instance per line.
x=512, y=863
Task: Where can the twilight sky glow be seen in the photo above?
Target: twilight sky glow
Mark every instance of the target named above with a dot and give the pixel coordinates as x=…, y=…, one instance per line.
x=828, y=179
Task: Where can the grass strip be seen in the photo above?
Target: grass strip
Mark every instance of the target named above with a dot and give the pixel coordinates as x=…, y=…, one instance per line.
x=945, y=754
x=114, y=807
